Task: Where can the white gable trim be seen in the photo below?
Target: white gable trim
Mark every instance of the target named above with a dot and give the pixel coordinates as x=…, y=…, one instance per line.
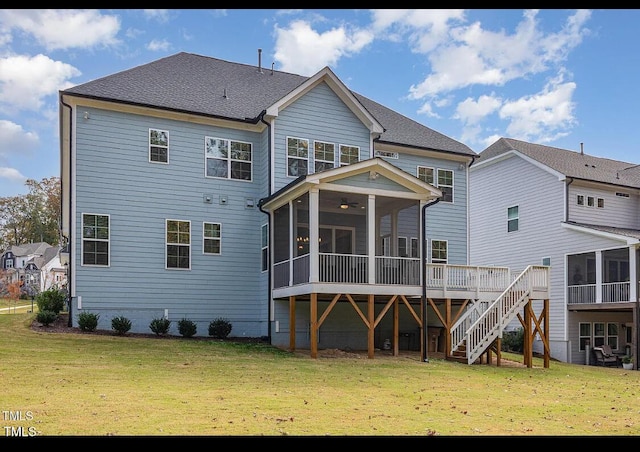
x=376, y=166
x=513, y=153
x=607, y=235
x=327, y=76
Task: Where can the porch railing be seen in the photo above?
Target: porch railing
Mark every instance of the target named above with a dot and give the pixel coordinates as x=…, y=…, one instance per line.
x=614, y=292
x=354, y=269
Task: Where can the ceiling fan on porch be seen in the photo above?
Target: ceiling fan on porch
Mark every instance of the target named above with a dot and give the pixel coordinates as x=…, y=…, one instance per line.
x=344, y=204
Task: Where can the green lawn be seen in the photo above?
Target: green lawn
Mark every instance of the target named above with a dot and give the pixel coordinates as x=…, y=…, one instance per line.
x=60, y=384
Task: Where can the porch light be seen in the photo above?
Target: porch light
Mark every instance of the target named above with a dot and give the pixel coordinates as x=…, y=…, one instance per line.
x=344, y=205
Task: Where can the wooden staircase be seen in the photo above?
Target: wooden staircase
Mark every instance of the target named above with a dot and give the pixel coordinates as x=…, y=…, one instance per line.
x=479, y=327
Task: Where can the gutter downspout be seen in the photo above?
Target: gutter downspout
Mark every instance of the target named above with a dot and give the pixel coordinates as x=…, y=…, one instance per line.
x=261, y=119
x=69, y=265
x=423, y=300
x=566, y=212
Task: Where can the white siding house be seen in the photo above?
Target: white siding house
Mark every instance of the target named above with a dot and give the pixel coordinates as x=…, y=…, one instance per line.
x=534, y=204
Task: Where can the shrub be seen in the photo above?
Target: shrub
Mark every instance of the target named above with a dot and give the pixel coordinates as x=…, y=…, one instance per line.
x=513, y=341
x=160, y=326
x=220, y=328
x=51, y=300
x=187, y=328
x=88, y=321
x=121, y=325
x=46, y=317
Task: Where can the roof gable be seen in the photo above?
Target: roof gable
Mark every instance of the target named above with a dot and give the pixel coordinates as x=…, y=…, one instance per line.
x=577, y=165
x=374, y=167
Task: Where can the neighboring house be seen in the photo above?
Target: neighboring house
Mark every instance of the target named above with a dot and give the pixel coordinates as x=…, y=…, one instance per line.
x=35, y=265
x=535, y=204
x=291, y=206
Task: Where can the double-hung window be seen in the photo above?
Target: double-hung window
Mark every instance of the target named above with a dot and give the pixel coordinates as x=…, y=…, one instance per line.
x=227, y=159
x=95, y=239
x=324, y=155
x=178, y=244
x=425, y=174
x=512, y=219
x=445, y=184
x=158, y=146
x=349, y=154
x=439, y=251
x=265, y=247
x=211, y=238
x=297, y=156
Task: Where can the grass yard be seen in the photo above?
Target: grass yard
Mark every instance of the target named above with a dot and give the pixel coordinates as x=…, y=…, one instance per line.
x=70, y=384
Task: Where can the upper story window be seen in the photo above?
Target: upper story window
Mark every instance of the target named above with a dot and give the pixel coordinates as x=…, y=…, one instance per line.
x=211, y=238
x=439, y=253
x=158, y=146
x=391, y=155
x=324, y=155
x=445, y=184
x=349, y=155
x=228, y=159
x=590, y=201
x=600, y=203
x=425, y=174
x=512, y=219
x=580, y=200
x=178, y=244
x=95, y=239
x=415, y=251
x=265, y=247
x=297, y=156
x=9, y=263
x=402, y=247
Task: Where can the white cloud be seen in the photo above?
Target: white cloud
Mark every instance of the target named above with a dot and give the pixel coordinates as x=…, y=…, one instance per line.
x=473, y=111
x=25, y=81
x=15, y=140
x=302, y=50
x=159, y=15
x=542, y=117
x=159, y=45
x=12, y=175
x=63, y=28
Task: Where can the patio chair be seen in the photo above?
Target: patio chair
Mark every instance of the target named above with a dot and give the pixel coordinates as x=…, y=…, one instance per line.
x=604, y=357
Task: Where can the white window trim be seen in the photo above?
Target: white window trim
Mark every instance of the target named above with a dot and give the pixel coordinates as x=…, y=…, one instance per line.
x=264, y=247
x=287, y=156
x=228, y=159
x=438, y=261
x=452, y=186
x=516, y=219
x=158, y=146
x=340, y=146
x=433, y=173
x=166, y=224
x=205, y=238
x=415, y=240
x=316, y=160
x=82, y=240
x=407, y=251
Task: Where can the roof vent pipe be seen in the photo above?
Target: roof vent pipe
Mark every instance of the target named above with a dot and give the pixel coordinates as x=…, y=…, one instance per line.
x=581, y=148
x=260, y=61
x=272, y=65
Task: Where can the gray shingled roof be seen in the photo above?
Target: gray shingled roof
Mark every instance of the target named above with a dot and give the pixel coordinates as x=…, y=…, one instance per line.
x=187, y=82
x=570, y=163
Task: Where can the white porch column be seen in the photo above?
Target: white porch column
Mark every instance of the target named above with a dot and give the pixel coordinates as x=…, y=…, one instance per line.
x=633, y=279
x=598, y=276
x=394, y=233
x=372, y=233
x=314, y=235
x=292, y=241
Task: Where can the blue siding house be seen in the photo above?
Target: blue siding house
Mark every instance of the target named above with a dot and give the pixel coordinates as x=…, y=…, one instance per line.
x=302, y=212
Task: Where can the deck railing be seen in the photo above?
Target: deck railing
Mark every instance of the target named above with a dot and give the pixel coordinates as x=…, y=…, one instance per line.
x=354, y=269
x=612, y=292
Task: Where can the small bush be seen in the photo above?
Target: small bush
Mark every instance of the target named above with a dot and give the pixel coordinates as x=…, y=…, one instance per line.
x=88, y=321
x=160, y=326
x=121, y=325
x=46, y=317
x=187, y=328
x=513, y=341
x=51, y=300
x=220, y=328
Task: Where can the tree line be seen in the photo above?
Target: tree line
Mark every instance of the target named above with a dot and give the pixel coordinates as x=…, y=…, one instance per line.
x=33, y=217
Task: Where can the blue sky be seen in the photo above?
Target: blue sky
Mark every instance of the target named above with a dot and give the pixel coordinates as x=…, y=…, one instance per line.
x=554, y=77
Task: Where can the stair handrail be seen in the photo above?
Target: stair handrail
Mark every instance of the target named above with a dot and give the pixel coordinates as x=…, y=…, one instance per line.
x=498, y=315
